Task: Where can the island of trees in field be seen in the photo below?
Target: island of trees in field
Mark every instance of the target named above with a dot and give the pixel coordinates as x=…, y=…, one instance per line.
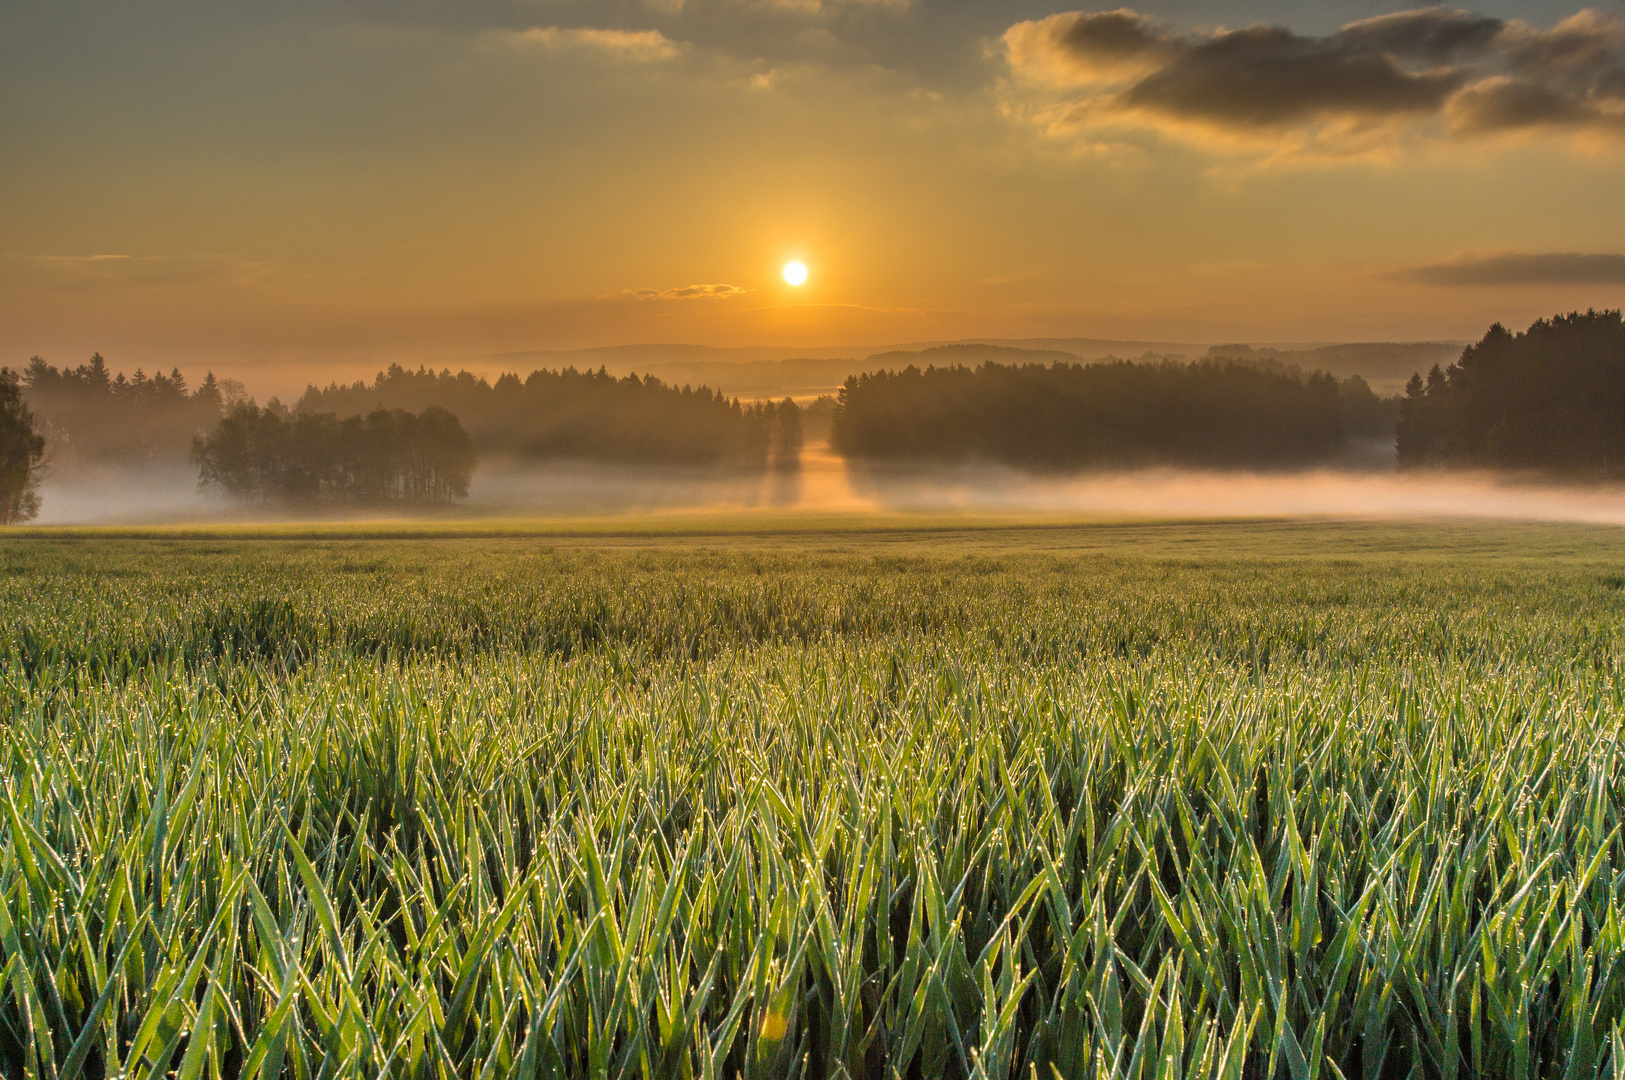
x=390, y=455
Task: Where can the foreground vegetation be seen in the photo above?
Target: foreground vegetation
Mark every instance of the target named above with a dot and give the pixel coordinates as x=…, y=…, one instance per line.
x=842, y=806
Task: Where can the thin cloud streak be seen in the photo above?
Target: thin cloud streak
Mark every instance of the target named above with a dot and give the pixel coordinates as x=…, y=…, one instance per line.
x=688, y=292
x=1515, y=268
x=640, y=45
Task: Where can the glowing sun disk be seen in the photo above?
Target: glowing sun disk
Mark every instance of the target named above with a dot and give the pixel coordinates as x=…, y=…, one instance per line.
x=795, y=273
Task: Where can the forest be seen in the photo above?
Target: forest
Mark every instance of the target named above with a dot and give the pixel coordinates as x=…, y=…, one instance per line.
x=391, y=455
x=584, y=415
x=1549, y=399
x=410, y=436
x=1116, y=413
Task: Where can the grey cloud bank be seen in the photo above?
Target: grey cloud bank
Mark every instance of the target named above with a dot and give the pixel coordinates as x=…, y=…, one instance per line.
x=1473, y=74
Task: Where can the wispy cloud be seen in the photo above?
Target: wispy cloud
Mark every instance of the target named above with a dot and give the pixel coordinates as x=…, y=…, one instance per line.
x=823, y=7
x=1446, y=73
x=126, y=272
x=1515, y=268
x=688, y=292
x=639, y=45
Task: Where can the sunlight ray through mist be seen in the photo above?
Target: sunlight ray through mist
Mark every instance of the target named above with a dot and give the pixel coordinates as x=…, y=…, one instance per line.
x=827, y=484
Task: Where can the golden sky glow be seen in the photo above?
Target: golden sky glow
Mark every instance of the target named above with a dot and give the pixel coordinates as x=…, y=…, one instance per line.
x=341, y=185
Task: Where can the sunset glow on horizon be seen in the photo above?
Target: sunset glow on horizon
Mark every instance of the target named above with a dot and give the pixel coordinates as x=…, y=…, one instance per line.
x=332, y=188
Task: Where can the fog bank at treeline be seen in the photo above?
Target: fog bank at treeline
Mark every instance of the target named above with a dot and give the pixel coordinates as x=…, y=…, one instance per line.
x=1551, y=398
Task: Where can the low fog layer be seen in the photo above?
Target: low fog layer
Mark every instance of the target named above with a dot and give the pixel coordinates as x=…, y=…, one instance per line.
x=827, y=484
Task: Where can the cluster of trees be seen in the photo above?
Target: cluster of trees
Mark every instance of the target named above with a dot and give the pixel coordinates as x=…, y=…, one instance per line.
x=22, y=453
x=1551, y=399
x=89, y=415
x=589, y=415
x=390, y=455
x=1115, y=413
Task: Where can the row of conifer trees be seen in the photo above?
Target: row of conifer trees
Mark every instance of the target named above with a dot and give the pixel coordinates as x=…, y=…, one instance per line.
x=1550, y=399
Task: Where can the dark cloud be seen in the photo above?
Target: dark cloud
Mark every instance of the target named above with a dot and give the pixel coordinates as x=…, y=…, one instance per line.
x=1583, y=50
x=1512, y=268
x=1473, y=74
x=1266, y=76
x=1433, y=35
x=1112, y=38
x=1510, y=104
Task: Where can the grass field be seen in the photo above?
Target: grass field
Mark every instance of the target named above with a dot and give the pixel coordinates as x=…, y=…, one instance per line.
x=1230, y=799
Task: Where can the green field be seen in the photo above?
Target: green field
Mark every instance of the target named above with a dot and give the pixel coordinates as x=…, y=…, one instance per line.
x=717, y=798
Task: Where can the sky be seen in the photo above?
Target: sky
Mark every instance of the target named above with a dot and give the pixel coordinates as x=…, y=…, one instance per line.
x=334, y=185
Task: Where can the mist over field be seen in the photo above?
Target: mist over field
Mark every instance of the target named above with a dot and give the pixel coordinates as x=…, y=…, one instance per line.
x=826, y=483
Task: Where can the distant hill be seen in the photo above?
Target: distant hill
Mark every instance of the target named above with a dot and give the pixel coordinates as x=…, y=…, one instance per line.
x=1081, y=348
x=970, y=355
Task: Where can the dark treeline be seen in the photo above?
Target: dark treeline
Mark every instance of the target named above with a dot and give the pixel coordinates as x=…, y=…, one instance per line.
x=390, y=455
x=88, y=415
x=1366, y=415
x=1549, y=399
x=1114, y=413
x=587, y=415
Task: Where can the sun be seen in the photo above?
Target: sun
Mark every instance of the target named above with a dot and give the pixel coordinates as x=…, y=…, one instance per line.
x=795, y=273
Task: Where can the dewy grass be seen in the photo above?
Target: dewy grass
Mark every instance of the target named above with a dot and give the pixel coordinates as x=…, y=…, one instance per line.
x=481, y=810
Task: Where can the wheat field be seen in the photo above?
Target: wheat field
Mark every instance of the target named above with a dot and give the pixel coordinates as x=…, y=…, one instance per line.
x=1227, y=800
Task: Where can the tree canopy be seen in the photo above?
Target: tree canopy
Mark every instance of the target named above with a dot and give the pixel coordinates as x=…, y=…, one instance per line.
x=1551, y=398
x=92, y=416
x=588, y=415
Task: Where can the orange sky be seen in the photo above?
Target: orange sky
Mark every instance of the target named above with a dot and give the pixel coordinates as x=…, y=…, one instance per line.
x=334, y=186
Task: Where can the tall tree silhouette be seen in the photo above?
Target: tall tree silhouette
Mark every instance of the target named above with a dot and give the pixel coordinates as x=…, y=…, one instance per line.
x=22, y=453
